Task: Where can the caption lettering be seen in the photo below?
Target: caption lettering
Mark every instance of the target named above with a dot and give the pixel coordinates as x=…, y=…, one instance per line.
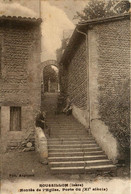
x=63, y=187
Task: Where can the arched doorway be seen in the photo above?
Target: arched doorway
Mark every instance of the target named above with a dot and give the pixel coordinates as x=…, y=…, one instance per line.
x=49, y=85
x=50, y=79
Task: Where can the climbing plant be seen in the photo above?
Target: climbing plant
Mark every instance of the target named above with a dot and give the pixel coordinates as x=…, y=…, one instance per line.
x=115, y=113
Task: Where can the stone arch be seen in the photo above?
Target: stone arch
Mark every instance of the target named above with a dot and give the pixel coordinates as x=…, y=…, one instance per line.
x=50, y=85
x=49, y=62
x=46, y=63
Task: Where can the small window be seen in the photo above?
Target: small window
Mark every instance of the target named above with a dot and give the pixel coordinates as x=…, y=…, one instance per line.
x=15, y=118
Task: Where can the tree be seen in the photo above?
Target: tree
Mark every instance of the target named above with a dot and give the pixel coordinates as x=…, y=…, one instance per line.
x=103, y=8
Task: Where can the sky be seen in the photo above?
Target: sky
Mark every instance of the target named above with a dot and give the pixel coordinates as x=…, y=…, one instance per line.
x=57, y=16
x=58, y=23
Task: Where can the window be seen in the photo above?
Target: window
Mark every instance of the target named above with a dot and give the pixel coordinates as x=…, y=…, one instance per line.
x=15, y=118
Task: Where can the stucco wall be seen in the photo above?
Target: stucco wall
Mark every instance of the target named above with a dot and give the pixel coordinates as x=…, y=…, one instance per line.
x=81, y=115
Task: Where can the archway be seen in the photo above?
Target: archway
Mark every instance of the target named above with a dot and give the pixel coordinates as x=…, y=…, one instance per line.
x=50, y=79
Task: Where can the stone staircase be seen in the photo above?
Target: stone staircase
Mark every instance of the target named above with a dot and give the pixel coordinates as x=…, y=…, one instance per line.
x=72, y=150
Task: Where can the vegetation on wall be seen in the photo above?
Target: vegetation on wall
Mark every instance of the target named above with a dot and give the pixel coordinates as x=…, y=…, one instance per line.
x=115, y=113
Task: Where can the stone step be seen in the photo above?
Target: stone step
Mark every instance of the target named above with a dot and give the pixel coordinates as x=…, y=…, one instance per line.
x=67, y=126
x=76, y=158
x=80, y=163
x=63, y=146
x=70, y=142
x=82, y=170
x=64, y=132
x=68, y=136
x=75, y=149
x=64, y=126
x=56, y=130
x=71, y=139
x=64, y=120
x=71, y=149
x=75, y=153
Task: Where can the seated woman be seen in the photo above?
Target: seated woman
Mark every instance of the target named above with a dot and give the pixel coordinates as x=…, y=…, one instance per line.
x=40, y=120
x=68, y=109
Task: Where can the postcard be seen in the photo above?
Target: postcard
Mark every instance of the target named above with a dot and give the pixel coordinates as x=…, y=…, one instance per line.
x=65, y=96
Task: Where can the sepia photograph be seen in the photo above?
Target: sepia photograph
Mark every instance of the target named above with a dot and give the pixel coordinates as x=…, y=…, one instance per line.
x=65, y=92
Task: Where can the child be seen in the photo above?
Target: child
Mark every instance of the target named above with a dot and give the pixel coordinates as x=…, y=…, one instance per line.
x=68, y=109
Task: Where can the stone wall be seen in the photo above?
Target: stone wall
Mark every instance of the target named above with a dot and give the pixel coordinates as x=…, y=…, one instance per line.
x=19, y=81
x=111, y=92
x=41, y=145
x=103, y=102
x=78, y=81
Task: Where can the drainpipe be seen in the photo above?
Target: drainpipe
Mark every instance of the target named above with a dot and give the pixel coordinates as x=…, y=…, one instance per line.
x=86, y=35
x=130, y=58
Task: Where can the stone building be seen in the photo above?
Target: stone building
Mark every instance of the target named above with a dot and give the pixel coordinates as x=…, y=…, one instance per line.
x=20, y=88
x=95, y=74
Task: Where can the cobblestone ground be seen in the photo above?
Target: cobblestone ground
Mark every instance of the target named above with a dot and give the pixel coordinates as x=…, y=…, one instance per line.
x=26, y=165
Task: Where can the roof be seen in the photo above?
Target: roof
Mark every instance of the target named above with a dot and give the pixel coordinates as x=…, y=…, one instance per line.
x=104, y=20
x=19, y=19
x=83, y=26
